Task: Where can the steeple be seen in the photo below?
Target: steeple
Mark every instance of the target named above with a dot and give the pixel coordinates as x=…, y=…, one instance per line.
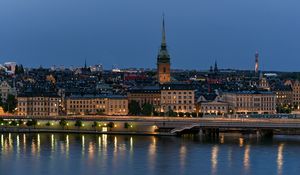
x=163, y=41
x=85, y=63
x=163, y=55
x=163, y=59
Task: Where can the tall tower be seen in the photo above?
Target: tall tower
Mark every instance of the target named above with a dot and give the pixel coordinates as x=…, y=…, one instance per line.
x=256, y=62
x=163, y=59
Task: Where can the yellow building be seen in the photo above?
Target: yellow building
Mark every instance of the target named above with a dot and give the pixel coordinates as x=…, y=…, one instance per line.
x=178, y=98
x=102, y=104
x=150, y=95
x=35, y=104
x=251, y=102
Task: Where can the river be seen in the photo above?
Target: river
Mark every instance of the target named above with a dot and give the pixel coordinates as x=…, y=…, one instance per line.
x=76, y=154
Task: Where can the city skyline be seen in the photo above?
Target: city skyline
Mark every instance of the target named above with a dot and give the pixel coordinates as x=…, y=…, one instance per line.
x=33, y=35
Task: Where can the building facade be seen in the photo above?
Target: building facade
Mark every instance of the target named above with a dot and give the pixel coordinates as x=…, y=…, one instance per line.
x=251, y=102
x=178, y=98
x=211, y=105
x=38, y=104
x=296, y=92
x=284, y=95
x=102, y=104
x=5, y=90
x=143, y=95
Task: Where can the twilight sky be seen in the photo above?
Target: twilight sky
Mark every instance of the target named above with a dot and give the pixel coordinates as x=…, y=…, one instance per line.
x=127, y=33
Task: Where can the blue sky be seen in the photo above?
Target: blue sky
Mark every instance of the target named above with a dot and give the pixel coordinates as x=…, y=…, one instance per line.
x=127, y=33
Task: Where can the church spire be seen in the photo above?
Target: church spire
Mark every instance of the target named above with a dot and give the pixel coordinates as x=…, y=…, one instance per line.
x=163, y=41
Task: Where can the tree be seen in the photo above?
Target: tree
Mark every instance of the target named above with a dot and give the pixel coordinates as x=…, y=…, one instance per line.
x=171, y=113
x=110, y=125
x=63, y=123
x=126, y=125
x=95, y=124
x=181, y=114
x=32, y=122
x=194, y=114
x=147, y=109
x=10, y=104
x=78, y=123
x=134, y=108
x=20, y=122
x=13, y=123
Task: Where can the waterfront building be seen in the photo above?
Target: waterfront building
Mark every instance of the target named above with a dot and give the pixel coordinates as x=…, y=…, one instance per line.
x=96, y=104
x=178, y=98
x=163, y=60
x=251, y=102
x=38, y=104
x=296, y=92
x=147, y=94
x=284, y=94
x=211, y=104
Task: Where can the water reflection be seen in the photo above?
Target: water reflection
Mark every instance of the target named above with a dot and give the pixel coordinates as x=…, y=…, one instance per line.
x=107, y=153
x=182, y=157
x=247, y=158
x=280, y=158
x=67, y=146
x=214, y=159
x=152, y=153
x=82, y=145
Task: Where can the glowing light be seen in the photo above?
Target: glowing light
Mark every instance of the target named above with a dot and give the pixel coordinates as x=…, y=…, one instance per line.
x=241, y=142
x=280, y=158
x=247, y=157
x=214, y=159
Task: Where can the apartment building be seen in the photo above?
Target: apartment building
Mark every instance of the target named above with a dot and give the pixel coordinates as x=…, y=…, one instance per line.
x=38, y=104
x=177, y=97
x=96, y=104
x=251, y=102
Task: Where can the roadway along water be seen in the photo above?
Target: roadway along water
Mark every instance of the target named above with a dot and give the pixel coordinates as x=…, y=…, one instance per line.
x=76, y=154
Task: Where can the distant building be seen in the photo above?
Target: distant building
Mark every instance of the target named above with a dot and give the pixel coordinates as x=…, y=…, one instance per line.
x=251, y=102
x=148, y=94
x=178, y=98
x=38, y=104
x=263, y=83
x=163, y=60
x=11, y=66
x=101, y=104
x=6, y=89
x=296, y=92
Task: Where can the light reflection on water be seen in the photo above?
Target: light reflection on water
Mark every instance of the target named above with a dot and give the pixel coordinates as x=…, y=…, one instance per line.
x=109, y=154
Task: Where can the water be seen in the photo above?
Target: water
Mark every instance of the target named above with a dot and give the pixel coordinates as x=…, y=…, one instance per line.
x=74, y=154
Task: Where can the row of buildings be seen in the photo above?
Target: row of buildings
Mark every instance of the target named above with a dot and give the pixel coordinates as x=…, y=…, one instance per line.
x=91, y=90
x=178, y=98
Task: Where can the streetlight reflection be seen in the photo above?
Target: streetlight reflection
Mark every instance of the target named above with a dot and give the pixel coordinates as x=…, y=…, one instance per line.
x=214, y=158
x=280, y=158
x=247, y=157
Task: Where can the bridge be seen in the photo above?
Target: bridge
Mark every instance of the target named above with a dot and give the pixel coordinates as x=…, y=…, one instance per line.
x=181, y=125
